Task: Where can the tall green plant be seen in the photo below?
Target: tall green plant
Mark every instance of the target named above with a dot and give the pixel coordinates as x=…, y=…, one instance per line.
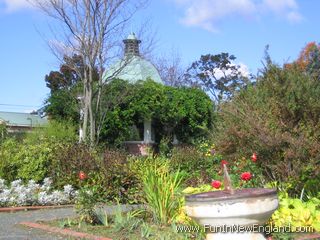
x=160, y=188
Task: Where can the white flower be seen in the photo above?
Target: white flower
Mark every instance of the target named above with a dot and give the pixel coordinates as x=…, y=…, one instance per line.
x=16, y=183
x=33, y=193
x=68, y=190
x=46, y=184
x=33, y=186
x=4, y=197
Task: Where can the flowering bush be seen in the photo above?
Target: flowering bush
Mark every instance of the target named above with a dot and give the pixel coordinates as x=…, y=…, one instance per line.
x=82, y=175
x=216, y=184
x=246, y=176
x=244, y=173
x=32, y=193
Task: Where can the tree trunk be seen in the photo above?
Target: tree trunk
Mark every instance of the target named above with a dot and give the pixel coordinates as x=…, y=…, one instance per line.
x=90, y=109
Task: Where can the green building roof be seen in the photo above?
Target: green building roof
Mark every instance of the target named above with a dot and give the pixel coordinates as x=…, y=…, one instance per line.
x=22, y=119
x=132, y=67
x=132, y=70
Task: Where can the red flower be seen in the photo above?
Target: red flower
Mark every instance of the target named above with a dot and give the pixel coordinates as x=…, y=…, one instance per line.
x=224, y=162
x=254, y=157
x=82, y=175
x=216, y=184
x=246, y=176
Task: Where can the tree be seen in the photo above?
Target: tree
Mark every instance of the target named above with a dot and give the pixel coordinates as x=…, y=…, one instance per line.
x=218, y=75
x=62, y=105
x=66, y=77
x=170, y=69
x=308, y=60
x=65, y=87
x=89, y=29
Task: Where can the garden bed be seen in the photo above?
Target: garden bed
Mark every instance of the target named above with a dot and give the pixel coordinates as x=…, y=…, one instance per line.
x=130, y=230
x=145, y=230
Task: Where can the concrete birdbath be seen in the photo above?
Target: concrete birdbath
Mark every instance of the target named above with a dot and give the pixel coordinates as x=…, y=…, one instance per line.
x=233, y=214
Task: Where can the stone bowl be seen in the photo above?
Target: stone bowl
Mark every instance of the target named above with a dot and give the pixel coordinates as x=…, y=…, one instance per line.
x=246, y=207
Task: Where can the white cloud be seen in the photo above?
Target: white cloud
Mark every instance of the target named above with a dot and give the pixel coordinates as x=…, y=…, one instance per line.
x=280, y=5
x=294, y=17
x=205, y=13
x=208, y=13
x=12, y=5
x=243, y=69
x=286, y=8
x=15, y=5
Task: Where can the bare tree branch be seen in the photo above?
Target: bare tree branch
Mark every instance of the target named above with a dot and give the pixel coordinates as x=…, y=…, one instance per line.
x=90, y=29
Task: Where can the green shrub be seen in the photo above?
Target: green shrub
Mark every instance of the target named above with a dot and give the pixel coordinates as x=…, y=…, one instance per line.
x=55, y=131
x=3, y=132
x=279, y=119
x=33, y=156
x=25, y=160
x=197, y=168
x=8, y=165
x=34, y=160
x=69, y=160
x=296, y=214
x=118, y=179
x=186, y=112
x=88, y=197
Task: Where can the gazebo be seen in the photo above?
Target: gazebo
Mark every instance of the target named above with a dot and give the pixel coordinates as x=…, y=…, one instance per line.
x=133, y=68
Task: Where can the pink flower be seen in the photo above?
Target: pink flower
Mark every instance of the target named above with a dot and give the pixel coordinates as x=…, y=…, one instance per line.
x=246, y=176
x=216, y=184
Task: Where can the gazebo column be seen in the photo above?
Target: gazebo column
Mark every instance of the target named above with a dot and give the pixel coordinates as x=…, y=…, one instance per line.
x=175, y=140
x=147, y=137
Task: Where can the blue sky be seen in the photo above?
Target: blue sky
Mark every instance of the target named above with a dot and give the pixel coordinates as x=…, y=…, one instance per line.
x=192, y=27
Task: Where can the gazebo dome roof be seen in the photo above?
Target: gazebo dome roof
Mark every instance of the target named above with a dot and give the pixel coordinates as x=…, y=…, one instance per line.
x=132, y=70
x=132, y=67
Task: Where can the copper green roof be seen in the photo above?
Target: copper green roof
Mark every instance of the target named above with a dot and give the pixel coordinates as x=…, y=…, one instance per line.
x=22, y=119
x=133, y=69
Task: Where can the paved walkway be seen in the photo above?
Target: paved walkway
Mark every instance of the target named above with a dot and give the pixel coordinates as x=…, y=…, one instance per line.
x=10, y=230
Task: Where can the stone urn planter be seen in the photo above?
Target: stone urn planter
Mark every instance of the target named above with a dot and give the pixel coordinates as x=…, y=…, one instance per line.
x=233, y=214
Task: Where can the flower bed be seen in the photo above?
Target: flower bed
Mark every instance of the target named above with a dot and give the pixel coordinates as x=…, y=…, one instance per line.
x=18, y=194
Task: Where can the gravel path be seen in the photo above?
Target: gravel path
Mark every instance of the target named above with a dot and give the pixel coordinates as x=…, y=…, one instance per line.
x=10, y=230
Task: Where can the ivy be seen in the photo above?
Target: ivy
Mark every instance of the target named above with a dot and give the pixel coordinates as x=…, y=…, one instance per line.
x=186, y=112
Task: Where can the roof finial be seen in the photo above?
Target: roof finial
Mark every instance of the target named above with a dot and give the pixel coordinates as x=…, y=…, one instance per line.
x=131, y=45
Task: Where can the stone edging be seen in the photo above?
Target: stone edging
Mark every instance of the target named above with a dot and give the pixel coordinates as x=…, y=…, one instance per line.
x=309, y=236
x=28, y=208
x=66, y=232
